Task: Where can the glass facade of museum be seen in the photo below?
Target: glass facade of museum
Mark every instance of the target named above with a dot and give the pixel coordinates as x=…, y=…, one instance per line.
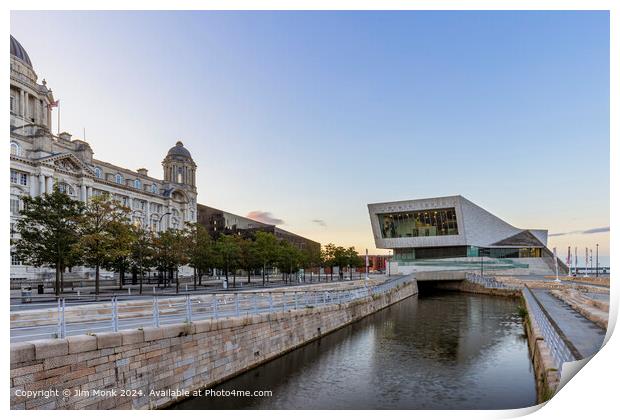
x=412, y=224
x=411, y=254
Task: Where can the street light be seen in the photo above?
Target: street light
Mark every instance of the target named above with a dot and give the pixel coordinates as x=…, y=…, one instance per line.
x=388, y=262
x=596, y=260
x=161, y=217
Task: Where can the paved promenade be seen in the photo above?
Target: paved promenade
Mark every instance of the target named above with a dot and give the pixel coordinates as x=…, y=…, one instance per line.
x=583, y=334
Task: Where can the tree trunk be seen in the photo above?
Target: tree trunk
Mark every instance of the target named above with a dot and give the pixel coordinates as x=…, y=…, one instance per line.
x=177, y=279
x=263, y=273
x=141, y=280
x=249, y=274
x=97, y=279
x=234, y=278
x=57, y=285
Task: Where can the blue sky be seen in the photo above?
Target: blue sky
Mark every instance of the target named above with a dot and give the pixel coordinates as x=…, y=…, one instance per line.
x=311, y=115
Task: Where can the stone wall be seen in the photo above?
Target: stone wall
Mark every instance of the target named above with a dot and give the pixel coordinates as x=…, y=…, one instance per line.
x=95, y=369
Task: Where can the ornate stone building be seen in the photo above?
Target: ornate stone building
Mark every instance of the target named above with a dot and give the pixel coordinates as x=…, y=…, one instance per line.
x=40, y=160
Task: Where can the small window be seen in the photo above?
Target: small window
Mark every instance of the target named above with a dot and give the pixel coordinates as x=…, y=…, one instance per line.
x=15, y=206
x=16, y=150
x=98, y=172
x=154, y=189
x=65, y=188
x=118, y=178
x=137, y=184
x=12, y=103
x=15, y=260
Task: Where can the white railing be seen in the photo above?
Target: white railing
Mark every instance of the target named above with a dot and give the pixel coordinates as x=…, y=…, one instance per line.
x=109, y=315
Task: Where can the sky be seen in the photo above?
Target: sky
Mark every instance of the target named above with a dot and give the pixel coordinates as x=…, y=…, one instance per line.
x=303, y=118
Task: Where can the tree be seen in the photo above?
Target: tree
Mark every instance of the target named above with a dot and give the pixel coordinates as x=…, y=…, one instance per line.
x=48, y=232
x=121, y=236
x=288, y=258
x=142, y=252
x=329, y=258
x=229, y=250
x=201, y=251
x=266, y=250
x=99, y=225
x=249, y=259
x=353, y=260
x=170, y=252
x=340, y=259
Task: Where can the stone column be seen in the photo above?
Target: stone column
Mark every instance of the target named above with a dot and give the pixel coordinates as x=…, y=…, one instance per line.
x=41, y=184
x=89, y=192
x=50, y=184
x=33, y=185
x=22, y=103
x=83, y=195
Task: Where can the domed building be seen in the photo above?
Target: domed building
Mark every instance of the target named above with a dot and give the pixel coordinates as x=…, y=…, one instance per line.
x=41, y=159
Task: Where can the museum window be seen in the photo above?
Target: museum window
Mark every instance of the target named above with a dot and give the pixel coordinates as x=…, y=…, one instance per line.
x=154, y=189
x=118, y=178
x=98, y=172
x=432, y=222
x=12, y=103
x=137, y=184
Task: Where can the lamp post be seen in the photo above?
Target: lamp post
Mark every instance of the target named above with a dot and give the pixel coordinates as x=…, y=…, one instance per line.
x=388, y=262
x=596, y=260
x=161, y=217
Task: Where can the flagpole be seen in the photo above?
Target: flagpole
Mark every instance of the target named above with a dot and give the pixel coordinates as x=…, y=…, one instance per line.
x=58, y=124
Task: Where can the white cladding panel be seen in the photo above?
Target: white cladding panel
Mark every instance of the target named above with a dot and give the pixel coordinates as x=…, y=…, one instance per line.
x=476, y=226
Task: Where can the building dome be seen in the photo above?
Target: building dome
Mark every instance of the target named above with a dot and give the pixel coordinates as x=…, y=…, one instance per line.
x=179, y=150
x=19, y=52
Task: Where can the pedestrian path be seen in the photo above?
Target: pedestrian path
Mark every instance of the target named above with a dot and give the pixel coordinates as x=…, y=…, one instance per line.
x=586, y=337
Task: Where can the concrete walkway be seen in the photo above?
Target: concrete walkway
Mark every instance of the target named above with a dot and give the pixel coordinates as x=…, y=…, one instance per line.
x=586, y=336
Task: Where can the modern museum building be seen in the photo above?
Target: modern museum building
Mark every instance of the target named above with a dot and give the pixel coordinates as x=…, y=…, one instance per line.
x=452, y=233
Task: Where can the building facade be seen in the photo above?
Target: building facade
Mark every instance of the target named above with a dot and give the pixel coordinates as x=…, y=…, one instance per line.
x=219, y=222
x=40, y=160
x=452, y=233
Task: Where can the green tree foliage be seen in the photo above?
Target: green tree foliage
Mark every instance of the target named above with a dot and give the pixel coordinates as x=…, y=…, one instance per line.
x=266, y=251
x=48, y=232
x=170, y=253
x=202, y=255
x=142, y=252
x=249, y=256
x=105, y=236
x=328, y=255
x=229, y=249
x=353, y=260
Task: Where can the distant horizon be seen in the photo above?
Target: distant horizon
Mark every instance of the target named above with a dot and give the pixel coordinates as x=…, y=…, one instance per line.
x=306, y=127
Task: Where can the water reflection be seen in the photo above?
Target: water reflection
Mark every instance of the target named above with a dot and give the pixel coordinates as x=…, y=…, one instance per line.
x=435, y=351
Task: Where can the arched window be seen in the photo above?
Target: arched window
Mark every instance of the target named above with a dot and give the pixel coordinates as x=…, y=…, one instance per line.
x=16, y=149
x=154, y=189
x=180, y=176
x=137, y=184
x=98, y=172
x=118, y=178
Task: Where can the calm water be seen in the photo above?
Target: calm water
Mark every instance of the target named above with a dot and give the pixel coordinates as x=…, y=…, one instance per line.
x=433, y=351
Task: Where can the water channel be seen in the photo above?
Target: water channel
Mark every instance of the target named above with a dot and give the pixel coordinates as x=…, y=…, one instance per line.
x=437, y=350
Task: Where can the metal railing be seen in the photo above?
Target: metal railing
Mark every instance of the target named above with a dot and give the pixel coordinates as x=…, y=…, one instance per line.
x=74, y=318
x=560, y=352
